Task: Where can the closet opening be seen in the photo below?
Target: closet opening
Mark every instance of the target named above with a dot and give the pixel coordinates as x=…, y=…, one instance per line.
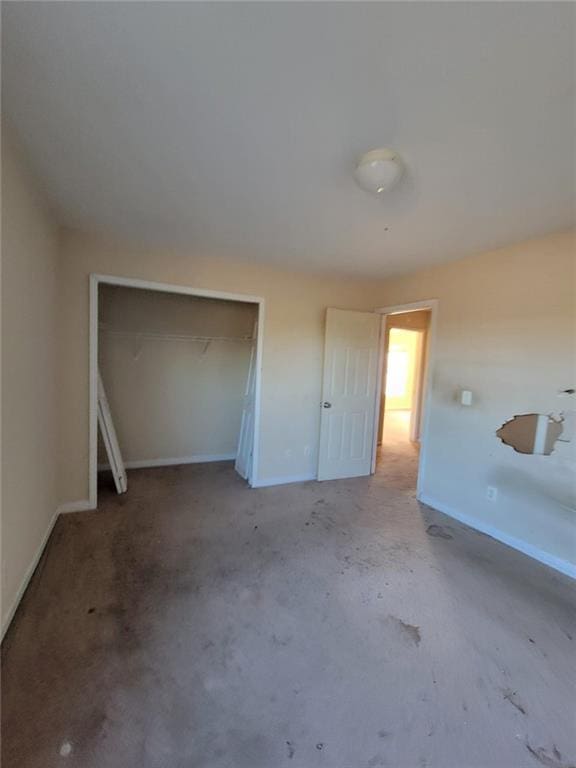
x=174, y=379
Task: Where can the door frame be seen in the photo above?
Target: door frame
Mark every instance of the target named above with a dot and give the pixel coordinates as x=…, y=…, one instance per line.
x=418, y=389
x=399, y=309
x=128, y=282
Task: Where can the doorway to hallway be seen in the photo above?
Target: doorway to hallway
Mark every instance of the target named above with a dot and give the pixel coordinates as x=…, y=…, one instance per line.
x=405, y=358
x=377, y=364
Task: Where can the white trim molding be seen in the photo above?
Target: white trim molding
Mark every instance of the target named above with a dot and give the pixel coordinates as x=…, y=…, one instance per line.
x=83, y=505
x=563, y=566
x=199, y=458
x=9, y=615
x=266, y=482
x=128, y=282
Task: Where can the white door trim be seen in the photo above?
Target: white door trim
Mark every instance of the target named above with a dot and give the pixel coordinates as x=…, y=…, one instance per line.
x=398, y=309
x=95, y=281
x=242, y=463
x=379, y=385
x=418, y=389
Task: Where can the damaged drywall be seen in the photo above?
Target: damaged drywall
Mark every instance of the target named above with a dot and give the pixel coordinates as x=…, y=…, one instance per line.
x=532, y=433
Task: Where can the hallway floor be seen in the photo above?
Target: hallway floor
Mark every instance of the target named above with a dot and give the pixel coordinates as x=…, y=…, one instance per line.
x=195, y=623
x=397, y=458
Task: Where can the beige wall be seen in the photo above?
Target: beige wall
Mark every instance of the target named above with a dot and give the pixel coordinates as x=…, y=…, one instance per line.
x=292, y=350
x=172, y=395
x=505, y=330
x=29, y=366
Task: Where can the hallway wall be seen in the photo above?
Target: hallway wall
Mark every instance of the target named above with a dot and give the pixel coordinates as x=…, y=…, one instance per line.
x=402, y=369
x=417, y=320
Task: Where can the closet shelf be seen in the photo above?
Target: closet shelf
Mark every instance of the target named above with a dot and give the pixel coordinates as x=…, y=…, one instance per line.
x=173, y=336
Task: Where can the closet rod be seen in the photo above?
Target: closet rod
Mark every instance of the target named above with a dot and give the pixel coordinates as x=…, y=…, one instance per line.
x=174, y=336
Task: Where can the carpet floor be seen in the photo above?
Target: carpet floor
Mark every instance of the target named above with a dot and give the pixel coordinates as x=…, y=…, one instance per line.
x=195, y=623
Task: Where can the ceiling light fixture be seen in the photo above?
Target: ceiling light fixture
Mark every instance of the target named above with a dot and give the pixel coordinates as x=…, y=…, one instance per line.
x=378, y=170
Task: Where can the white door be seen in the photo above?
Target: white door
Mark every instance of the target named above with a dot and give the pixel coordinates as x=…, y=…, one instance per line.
x=348, y=394
x=246, y=440
x=110, y=440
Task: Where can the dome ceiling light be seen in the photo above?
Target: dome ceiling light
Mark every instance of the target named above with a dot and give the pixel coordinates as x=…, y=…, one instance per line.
x=378, y=170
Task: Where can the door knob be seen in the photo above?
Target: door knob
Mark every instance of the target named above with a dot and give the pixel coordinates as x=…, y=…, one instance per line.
x=326, y=404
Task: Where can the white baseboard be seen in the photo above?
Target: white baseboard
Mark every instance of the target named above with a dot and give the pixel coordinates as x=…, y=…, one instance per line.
x=199, y=458
x=264, y=483
x=83, y=505
x=564, y=566
x=7, y=619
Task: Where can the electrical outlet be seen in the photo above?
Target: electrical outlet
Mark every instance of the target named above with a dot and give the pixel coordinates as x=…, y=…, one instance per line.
x=491, y=493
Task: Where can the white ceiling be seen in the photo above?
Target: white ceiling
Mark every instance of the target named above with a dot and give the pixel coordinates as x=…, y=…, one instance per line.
x=233, y=128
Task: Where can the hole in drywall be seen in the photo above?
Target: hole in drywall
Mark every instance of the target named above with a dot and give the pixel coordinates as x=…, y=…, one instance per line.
x=534, y=433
